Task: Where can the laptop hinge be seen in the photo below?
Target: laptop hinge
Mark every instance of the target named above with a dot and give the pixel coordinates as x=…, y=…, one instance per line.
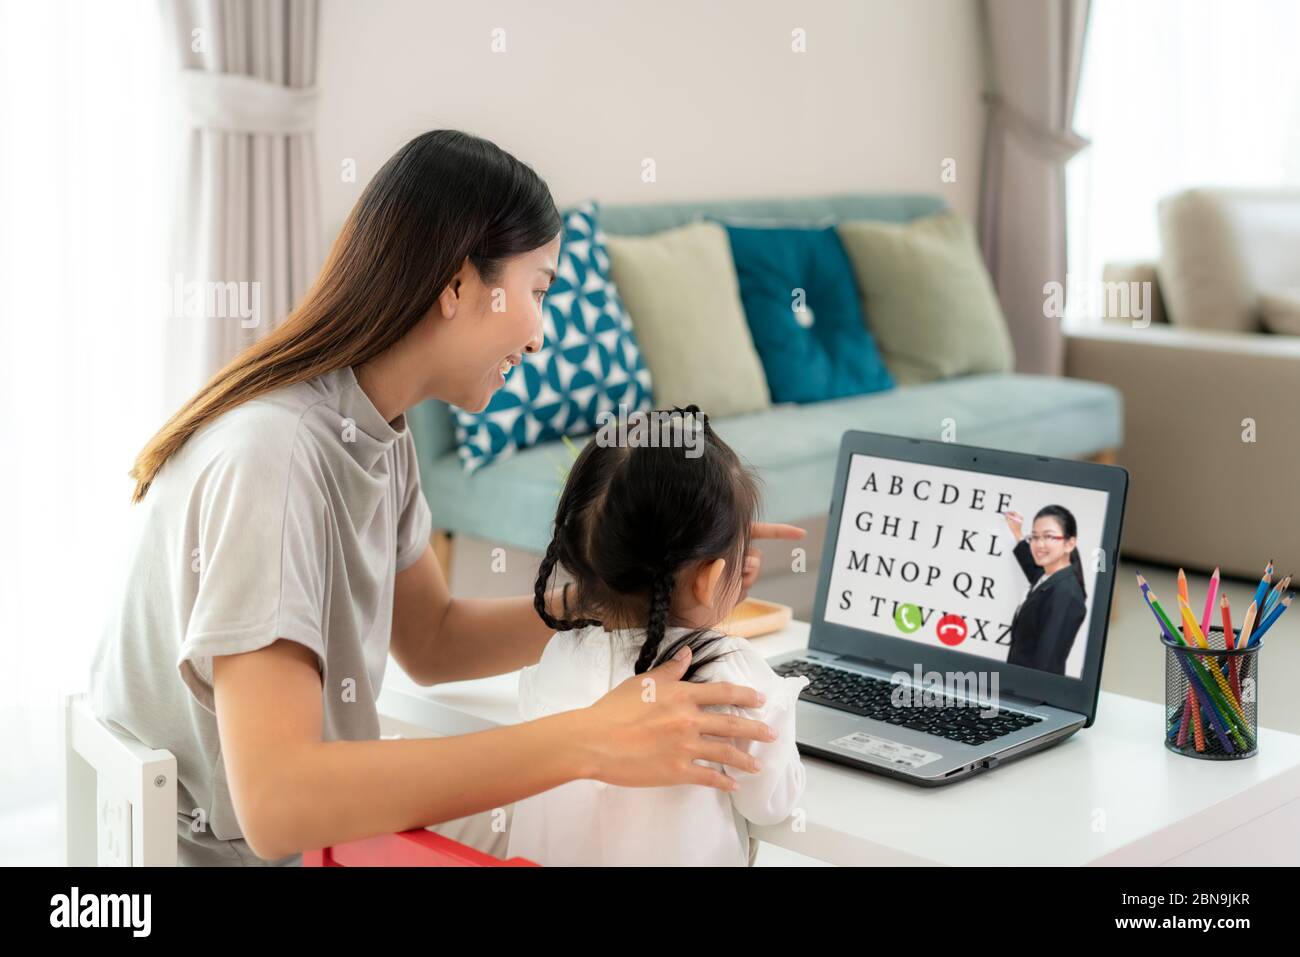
x=851, y=659
x=1010, y=693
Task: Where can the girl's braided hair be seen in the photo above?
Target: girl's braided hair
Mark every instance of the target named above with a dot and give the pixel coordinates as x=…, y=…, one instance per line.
x=632, y=518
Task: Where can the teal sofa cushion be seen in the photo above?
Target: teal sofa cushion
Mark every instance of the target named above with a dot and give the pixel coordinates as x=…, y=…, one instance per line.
x=794, y=448
x=801, y=303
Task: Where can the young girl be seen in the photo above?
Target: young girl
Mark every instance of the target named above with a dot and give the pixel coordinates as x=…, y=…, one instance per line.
x=654, y=539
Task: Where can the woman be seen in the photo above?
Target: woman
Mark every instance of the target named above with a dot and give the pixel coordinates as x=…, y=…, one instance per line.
x=282, y=552
x=1046, y=623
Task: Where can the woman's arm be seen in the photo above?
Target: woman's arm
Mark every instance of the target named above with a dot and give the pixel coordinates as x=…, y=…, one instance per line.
x=439, y=638
x=1015, y=522
x=1026, y=561
x=294, y=792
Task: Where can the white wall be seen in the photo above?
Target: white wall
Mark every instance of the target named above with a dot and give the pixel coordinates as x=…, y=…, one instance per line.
x=707, y=88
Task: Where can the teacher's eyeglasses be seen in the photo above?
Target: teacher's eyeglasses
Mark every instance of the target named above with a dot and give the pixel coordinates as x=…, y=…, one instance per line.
x=1035, y=539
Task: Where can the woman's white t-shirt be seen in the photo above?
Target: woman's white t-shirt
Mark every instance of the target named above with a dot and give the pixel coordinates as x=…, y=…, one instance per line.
x=591, y=823
x=286, y=517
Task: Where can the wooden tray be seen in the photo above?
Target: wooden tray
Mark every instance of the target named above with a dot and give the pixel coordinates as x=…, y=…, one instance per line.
x=754, y=617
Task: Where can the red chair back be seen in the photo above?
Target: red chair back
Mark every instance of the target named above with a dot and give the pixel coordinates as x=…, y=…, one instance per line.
x=415, y=848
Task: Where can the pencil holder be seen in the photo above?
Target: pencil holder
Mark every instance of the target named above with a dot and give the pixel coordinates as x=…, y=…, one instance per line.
x=1210, y=698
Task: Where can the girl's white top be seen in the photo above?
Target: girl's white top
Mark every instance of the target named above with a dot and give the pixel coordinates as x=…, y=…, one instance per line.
x=590, y=823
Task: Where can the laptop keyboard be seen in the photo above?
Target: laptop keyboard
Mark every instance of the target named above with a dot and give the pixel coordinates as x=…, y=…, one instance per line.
x=871, y=697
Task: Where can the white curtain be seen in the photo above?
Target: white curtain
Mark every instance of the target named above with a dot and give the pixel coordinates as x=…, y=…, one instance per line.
x=82, y=197
x=1174, y=94
x=1033, y=53
x=247, y=240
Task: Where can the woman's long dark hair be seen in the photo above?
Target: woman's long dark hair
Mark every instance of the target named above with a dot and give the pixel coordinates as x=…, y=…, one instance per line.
x=631, y=518
x=444, y=197
x=1065, y=518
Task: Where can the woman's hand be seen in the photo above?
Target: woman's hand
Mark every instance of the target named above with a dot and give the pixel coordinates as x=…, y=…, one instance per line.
x=754, y=558
x=650, y=730
x=1015, y=521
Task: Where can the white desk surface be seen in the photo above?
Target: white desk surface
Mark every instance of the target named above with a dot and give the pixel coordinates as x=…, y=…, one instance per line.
x=1110, y=794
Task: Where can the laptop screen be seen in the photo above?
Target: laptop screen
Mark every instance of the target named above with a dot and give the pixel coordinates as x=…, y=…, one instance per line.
x=984, y=564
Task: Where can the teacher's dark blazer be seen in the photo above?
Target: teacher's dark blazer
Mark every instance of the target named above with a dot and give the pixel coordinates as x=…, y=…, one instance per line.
x=1047, y=622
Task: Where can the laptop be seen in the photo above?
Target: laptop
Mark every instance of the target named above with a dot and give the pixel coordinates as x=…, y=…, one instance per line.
x=942, y=643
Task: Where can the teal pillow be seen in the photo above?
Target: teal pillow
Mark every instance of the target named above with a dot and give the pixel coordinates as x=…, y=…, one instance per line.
x=589, y=364
x=801, y=302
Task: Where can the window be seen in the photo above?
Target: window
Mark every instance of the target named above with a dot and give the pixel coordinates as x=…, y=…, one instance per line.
x=82, y=190
x=1174, y=94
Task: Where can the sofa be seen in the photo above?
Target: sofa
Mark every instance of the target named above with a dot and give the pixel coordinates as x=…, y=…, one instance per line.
x=1210, y=377
x=511, y=503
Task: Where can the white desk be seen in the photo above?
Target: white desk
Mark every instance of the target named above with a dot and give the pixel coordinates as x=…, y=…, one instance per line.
x=1111, y=794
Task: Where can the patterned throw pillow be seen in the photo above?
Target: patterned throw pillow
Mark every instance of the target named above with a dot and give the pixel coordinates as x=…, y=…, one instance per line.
x=590, y=362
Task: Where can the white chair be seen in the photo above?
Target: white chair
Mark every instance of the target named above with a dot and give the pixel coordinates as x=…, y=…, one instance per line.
x=118, y=803
x=118, y=797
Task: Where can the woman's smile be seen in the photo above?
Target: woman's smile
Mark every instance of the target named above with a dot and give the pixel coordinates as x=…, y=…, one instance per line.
x=506, y=364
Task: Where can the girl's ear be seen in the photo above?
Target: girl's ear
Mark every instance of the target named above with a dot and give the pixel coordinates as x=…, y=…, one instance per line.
x=706, y=581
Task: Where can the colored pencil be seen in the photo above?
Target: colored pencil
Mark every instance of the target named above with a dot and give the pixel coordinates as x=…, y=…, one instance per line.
x=1160, y=612
x=1198, y=733
x=1209, y=600
x=1189, y=704
x=1283, y=605
x=1261, y=593
x=1190, y=627
x=1275, y=595
x=1248, y=623
x=1230, y=642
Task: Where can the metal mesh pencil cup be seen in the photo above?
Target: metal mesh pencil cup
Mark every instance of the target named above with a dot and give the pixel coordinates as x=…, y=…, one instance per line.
x=1210, y=698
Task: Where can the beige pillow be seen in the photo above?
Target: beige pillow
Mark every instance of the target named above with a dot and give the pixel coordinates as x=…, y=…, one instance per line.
x=929, y=302
x=1280, y=311
x=1220, y=248
x=683, y=298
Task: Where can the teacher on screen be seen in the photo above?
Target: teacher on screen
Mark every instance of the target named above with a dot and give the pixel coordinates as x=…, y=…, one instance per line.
x=1046, y=623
